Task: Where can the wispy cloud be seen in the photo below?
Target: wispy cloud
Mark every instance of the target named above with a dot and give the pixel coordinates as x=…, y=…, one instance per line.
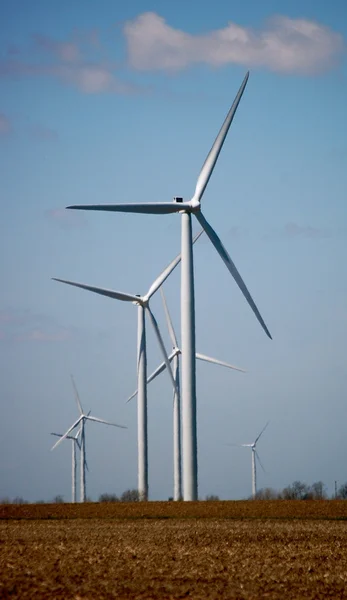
x=73, y=62
x=5, y=124
x=285, y=45
x=66, y=219
x=26, y=326
x=294, y=230
x=39, y=335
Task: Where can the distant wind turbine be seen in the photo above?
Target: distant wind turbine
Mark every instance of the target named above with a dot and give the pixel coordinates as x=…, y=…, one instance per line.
x=175, y=357
x=142, y=303
x=82, y=421
x=255, y=456
x=186, y=209
x=75, y=442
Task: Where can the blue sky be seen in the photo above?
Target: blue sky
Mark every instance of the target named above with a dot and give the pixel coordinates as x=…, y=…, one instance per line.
x=106, y=103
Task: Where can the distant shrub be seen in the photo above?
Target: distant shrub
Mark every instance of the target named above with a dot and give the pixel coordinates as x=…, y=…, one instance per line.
x=19, y=500
x=212, y=498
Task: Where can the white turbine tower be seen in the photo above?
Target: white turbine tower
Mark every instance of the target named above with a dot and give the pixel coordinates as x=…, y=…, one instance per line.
x=74, y=443
x=82, y=421
x=255, y=456
x=175, y=357
x=142, y=302
x=193, y=206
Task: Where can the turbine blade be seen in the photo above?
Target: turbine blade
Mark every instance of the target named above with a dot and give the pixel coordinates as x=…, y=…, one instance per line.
x=79, y=405
x=212, y=156
x=102, y=291
x=218, y=362
x=169, y=321
x=167, y=271
x=68, y=437
x=152, y=208
x=232, y=444
x=104, y=422
x=67, y=433
x=258, y=457
x=155, y=373
x=261, y=433
x=161, y=344
x=231, y=267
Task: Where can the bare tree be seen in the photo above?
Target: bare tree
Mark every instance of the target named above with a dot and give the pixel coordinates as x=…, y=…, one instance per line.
x=267, y=494
x=296, y=491
x=212, y=498
x=108, y=498
x=59, y=499
x=130, y=496
x=342, y=493
x=318, y=491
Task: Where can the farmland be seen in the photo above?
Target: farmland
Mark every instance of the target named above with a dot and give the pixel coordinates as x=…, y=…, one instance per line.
x=272, y=549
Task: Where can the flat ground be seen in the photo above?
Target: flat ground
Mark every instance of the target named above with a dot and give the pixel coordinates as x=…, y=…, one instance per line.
x=243, y=550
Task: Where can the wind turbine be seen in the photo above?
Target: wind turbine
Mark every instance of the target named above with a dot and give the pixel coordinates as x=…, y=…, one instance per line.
x=82, y=421
x=75, y=442
x=175, y=357
x=142, y=302
x=186, y=209
x=255, y=456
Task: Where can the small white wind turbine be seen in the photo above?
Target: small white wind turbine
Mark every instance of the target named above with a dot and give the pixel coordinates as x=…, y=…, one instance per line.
x=74, y=443
x=142, y=303
x=82, y=421
x=175, y=357
x=255, y=456
x=187, y=209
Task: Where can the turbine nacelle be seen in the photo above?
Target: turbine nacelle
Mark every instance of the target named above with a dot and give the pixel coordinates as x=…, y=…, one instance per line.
x=192, y=206
x=142, y=301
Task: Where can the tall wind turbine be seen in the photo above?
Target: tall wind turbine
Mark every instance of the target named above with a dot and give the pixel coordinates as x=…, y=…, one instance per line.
x=142, y=302
x=175, y=357
x=193, y=206
x=255, y=456
x=74, y=443
x=82, y=421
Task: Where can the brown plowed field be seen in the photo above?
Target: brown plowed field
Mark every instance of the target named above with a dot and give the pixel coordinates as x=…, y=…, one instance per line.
x=233, y=550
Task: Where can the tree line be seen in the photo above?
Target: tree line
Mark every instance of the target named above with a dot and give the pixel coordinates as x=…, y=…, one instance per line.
x=295, y=491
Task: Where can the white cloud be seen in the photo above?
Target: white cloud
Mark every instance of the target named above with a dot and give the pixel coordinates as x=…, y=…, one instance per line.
x=71, y=63
x=285, y=45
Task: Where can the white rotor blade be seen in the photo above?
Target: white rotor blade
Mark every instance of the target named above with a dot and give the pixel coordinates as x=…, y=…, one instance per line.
x=167, y=271
x=102, y=291
x=67, y=433
x=153, y=208
x=218, y=362
x=77, y=396
x=212, y=157
x=104, y=422
x=168, y=320
x=155, y=373
x=232, y=444
x=68, y=437
x=161, y=344
x=258, y=457
x=231, y=267
x=261, y=433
